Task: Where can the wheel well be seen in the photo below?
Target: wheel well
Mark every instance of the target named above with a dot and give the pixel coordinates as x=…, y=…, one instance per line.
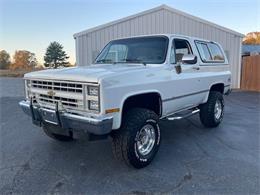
x=218, y=87
x=151, y=101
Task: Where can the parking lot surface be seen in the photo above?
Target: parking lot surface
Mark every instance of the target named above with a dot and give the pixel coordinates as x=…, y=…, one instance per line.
x=191, y=159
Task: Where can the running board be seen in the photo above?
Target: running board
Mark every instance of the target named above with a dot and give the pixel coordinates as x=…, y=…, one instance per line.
x=179, y=116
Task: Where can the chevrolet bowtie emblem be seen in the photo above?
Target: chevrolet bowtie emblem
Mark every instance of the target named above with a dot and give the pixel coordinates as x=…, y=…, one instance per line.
x=51, y=93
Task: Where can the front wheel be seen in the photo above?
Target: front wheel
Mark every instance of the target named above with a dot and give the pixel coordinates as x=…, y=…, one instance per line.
x=138, y=140
x=211, y=113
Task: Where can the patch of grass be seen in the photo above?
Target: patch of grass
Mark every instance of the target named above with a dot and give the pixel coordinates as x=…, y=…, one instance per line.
x=15, y=73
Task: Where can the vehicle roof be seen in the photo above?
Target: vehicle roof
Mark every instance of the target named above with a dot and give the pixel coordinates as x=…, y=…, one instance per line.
x=167, y=35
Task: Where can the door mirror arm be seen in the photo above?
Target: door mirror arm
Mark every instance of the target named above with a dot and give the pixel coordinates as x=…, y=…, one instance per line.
x=177, y=67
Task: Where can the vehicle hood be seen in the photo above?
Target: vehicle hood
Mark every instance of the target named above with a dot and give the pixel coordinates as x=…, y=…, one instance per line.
x=92, y=73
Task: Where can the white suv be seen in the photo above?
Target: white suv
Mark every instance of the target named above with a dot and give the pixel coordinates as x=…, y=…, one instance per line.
x=133, y=83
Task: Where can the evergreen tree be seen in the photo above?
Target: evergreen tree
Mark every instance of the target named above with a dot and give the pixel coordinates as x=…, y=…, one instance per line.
x=55, y=56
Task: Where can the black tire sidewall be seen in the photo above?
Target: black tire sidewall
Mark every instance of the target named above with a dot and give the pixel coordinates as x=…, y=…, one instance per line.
x=124, y=143
x=207, y=110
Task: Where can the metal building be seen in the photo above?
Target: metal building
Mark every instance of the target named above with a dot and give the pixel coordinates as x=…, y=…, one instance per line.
x=162, y=19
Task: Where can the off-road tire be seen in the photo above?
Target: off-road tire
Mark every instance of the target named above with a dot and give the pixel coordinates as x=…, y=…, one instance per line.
x=124, y=140
x=47, y=128
x=207, y=110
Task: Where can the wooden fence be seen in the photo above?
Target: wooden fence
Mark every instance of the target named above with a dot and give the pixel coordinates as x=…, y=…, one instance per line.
x=250, y=77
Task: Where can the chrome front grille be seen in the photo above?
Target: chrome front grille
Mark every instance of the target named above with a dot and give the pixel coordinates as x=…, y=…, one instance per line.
x=48, y=93
x=65, y=101
x=59, y=86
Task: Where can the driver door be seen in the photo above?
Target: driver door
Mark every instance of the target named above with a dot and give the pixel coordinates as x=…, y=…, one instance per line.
x=185, y=85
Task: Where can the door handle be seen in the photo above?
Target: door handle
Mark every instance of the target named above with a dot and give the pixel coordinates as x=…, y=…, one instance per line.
x=195, y=67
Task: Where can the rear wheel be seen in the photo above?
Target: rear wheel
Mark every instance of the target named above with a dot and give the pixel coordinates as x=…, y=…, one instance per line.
x=211, y=113
x=138, y=140
x=48, y=130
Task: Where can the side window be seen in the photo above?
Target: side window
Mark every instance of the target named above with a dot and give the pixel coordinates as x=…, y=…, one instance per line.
x=181, y=47
x=215, y=52
x=204, y=52
x=209, y=52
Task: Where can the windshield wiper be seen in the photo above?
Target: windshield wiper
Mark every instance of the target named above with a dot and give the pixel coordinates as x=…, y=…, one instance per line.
x=104, y=61
x=131, y=61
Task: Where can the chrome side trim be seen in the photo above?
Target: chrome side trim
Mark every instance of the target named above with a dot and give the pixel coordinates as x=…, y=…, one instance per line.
x=181, y=96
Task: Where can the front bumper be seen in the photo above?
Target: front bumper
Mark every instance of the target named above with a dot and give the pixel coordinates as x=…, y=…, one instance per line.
x=65, y=120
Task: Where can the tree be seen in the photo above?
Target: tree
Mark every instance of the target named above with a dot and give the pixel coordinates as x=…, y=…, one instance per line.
x=55, y=56
x=4, y=59
x=23, y=60
x=252, y=38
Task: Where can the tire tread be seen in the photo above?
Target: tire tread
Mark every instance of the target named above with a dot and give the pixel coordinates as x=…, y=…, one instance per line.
x=207, y=110
x=121, y=138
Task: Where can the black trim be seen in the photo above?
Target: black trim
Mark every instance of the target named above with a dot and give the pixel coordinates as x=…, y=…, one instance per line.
x=35, y=120
x=31, y=108
x=58, y=114
x=177, y=97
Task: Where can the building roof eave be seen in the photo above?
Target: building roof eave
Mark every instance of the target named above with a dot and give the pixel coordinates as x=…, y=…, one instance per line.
x=161, y=7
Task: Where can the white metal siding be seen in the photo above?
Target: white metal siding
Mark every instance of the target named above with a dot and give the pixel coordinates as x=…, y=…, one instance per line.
x=89, y=44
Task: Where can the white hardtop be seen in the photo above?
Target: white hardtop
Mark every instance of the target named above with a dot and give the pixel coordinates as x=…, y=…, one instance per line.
x=167, y=35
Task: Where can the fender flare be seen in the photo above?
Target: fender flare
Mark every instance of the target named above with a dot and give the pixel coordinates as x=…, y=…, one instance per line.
x=129, y=95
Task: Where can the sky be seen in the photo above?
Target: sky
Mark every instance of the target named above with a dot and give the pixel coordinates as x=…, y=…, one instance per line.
x=32, y=24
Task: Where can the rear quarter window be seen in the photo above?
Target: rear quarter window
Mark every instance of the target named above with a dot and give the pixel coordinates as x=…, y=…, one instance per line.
x=209, y=52
x=204, y=52
x=215, y=52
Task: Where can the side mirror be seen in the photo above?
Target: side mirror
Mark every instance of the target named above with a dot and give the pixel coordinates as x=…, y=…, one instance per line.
x=189, y=59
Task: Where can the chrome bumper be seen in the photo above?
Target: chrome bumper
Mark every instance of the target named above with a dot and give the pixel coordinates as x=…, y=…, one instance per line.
x=98, y=126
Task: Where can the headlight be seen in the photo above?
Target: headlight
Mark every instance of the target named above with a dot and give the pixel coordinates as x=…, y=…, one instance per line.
x=93, y=105
x=92, y=97
x=93, y=90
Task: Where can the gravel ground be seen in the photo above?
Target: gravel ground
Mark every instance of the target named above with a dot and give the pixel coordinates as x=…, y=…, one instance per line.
x=192, y=159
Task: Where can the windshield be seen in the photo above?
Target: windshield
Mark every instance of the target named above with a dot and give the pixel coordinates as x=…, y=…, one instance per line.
x=146, y=50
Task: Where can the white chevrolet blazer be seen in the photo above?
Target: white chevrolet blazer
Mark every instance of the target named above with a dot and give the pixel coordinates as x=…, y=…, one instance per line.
x=132, y=84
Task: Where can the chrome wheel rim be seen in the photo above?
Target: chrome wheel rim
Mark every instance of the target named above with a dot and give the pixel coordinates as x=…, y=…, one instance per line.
x=218, y=109
x=146, y=139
